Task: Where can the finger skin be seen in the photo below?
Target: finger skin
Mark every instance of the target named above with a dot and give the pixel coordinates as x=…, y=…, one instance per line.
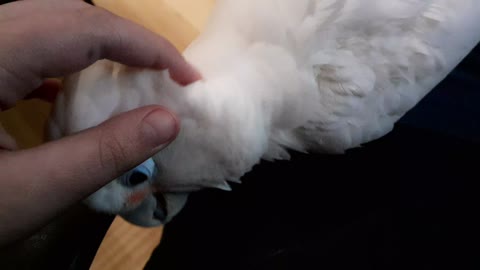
x=53, y=38
x=39, y=183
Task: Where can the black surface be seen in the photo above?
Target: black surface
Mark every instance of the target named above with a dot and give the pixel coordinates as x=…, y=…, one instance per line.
x=406, y=201
x=339, y=212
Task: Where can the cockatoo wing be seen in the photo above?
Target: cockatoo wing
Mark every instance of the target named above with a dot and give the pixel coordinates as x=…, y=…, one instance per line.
x=373, y=61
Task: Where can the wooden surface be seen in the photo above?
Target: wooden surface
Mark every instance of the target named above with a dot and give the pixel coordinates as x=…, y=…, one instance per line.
x=180, y=21
x=126, y=247
x=26, y=122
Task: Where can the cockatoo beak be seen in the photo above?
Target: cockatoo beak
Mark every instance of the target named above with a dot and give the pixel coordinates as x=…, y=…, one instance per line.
x=161, y=211
x=156, y=209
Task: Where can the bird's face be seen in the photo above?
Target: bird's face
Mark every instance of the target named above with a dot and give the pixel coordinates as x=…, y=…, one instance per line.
x=136, y=198
x=152, y=193
x=215, y=143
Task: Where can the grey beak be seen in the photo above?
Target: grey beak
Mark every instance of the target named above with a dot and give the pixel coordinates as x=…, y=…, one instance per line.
x=160, y=212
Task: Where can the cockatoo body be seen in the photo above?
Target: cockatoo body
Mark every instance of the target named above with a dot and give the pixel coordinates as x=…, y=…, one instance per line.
x=278, y=75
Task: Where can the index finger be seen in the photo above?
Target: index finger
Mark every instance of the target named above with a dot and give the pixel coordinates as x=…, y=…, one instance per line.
x=70, y=36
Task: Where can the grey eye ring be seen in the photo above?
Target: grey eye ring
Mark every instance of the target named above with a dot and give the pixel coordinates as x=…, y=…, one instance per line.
x=139, y=175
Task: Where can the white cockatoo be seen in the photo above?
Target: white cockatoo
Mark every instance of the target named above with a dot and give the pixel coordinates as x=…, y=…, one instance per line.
x=278, y=75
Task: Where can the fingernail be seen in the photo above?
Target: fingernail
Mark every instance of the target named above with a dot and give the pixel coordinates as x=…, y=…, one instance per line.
x=160, y=128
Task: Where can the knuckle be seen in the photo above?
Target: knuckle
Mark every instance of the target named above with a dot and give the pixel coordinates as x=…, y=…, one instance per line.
x=99, y=21
x=107, y=29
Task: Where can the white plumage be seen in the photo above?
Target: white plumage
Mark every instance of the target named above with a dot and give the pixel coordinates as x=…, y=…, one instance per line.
x=307, y=75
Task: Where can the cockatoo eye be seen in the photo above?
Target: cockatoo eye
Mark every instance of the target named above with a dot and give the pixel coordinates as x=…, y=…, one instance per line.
x=136, y=178
x=139, y=175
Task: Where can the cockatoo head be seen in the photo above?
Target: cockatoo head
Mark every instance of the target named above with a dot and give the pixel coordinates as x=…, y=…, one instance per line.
x=136, y=197
x=216, y=143
x=152, y=193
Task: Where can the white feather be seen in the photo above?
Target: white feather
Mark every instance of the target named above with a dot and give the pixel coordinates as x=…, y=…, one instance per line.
x=308, y=75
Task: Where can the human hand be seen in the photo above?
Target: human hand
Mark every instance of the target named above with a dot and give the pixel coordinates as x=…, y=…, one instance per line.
x=51, y=38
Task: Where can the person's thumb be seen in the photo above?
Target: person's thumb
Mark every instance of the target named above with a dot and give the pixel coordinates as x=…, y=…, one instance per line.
x=51, y=177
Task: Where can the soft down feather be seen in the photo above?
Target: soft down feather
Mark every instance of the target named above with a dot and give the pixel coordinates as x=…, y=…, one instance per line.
x=307, y=75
